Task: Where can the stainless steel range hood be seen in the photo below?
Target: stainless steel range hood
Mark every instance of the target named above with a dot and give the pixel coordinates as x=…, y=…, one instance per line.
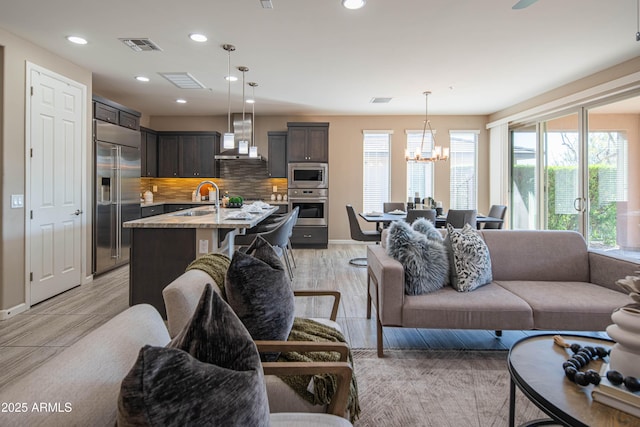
x=242, y=131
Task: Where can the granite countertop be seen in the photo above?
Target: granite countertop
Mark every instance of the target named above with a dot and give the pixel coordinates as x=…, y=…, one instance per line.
x=205, y=202
x=211, y=219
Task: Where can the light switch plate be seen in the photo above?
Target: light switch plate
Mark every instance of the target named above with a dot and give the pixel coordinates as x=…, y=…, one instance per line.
x=17, y=201
x=155, y=188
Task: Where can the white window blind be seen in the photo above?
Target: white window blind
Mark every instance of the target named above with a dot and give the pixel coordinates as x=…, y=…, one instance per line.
x=376, y=188
x=464, y=177
x=419, y=175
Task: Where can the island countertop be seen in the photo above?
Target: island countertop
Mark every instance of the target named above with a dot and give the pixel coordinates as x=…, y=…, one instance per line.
x=191, y=218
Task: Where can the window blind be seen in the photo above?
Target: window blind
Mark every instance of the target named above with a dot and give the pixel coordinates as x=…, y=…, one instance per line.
x=419, y=175
x=376, y=158
x=463, y=157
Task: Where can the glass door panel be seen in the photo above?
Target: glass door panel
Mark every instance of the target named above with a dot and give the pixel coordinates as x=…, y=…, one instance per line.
x=524, y=188
x=563, y=203
x=614, y=222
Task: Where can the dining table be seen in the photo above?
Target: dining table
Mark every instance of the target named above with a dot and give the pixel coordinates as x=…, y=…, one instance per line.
x=386, y=218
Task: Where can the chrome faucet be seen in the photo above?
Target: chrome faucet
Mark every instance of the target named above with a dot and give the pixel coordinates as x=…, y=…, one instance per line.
x=217, y=192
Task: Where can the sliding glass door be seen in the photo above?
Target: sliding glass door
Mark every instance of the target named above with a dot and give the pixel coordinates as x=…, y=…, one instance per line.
x=564, y=204
x=575, y=172
x=524, y=178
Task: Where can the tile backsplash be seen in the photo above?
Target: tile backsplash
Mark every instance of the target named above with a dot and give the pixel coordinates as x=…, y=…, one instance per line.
x=246, y=178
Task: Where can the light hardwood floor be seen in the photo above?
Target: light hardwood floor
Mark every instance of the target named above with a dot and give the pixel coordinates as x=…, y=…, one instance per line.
x=30, y=338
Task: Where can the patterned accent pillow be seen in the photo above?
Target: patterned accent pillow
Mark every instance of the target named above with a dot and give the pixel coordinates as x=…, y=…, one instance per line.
x=470, y=260
x=425, y=262
x=259, y=291
x=210, y=374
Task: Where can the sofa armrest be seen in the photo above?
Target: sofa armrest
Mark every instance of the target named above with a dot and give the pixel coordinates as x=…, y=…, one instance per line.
x=304, y=347
x=604, y=269
x=386, y=287
x=342, y=370
x=315, y=293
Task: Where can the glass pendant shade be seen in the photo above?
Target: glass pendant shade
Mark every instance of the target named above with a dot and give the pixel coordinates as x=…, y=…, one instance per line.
x=228, y=141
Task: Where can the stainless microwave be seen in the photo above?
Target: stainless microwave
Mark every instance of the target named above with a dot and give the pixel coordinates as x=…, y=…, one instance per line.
x=308, y=175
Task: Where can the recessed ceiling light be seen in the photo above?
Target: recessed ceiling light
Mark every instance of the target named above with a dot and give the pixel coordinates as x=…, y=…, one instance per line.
x=201, y=38
x=181, y=101
x=142, y=79
x=231, y=78
x=353, y=4
x=76, y=40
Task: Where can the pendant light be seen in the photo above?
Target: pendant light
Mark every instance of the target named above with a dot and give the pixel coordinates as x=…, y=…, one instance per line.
x=438, y=153
x=253, y=149
x=243, y=144
x=228, y=140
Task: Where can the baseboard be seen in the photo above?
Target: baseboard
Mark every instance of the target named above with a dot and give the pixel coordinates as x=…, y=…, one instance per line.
x=348, y=242
x=10, y=312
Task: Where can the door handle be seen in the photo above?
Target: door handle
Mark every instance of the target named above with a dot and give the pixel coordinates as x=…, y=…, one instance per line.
x=77, y=212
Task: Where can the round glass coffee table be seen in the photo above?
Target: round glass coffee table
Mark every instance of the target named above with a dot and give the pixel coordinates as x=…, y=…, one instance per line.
x=535, y=366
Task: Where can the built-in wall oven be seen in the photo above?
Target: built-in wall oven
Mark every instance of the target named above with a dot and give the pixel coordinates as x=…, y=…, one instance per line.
x=313, y=204
x=308, y=175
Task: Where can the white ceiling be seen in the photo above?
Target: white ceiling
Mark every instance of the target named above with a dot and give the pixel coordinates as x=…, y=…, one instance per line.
x=315, y=57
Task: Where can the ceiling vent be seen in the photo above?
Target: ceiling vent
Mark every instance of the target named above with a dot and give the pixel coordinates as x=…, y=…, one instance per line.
x=141, y=45
x=183, y=80
x=380, y=100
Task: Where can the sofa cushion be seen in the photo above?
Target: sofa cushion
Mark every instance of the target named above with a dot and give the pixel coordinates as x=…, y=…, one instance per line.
x=425, y=262
x=259, y=291
x=209, y=374
x=568, y=305
x=489, y=307
x=538, y=255
x=470, y=260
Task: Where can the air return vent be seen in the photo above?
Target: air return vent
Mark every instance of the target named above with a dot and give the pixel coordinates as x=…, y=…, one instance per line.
x=183, y=80
x=141, y=45
x=380, y=100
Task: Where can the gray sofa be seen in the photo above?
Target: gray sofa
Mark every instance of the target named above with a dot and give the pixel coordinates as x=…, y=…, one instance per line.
x=542, y=279
x=80, y=385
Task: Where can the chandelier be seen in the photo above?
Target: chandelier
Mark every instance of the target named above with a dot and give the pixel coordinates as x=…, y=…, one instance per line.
x=438, y=152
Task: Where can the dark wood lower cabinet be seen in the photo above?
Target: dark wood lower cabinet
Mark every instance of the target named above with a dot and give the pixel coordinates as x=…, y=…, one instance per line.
x=158, y=257
x=310, y=237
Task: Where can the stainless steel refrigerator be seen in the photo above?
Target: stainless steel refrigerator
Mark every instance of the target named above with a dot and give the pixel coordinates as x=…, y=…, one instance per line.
x=117, y=198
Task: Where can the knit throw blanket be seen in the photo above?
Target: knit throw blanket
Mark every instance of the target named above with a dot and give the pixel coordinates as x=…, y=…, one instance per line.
x=215, y=265
x=324, y=385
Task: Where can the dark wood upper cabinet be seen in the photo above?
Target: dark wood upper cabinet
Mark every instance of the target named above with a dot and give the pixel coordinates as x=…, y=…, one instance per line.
x=112, y=112
x=277, y=163
x=187, y=154
x=167, y=156
x=308, y=142
x=148, y=153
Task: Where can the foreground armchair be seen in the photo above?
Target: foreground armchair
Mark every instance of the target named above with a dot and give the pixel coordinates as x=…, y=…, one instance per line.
x=181, y=299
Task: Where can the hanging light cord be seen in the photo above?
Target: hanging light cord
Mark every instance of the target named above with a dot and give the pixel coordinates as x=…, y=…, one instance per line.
x=638, y=20
x=427, y=122
x=229, y=94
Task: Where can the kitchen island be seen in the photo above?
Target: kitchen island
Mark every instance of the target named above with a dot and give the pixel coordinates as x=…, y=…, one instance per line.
x=163, y=245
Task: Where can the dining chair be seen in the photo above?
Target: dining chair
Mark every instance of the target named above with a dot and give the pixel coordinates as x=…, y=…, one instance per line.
x=357, y=233
x=392, y=206
x=496, y=211
x=413, y=214
x=278, y=236
x=459, y=217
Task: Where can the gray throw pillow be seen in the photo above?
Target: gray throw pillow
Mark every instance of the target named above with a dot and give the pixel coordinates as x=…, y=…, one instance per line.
x=210, y=374
x=426, y=227
x=259, y=291
x=425, y=262
x=470, y=259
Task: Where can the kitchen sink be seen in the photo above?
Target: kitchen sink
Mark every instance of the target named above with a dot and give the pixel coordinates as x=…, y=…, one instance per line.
x=193, y=213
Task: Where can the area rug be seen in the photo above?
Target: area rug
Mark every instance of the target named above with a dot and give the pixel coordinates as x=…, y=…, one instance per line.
x=436, y=388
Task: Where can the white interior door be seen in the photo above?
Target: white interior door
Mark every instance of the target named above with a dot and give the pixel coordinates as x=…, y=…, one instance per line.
x=55, y=193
